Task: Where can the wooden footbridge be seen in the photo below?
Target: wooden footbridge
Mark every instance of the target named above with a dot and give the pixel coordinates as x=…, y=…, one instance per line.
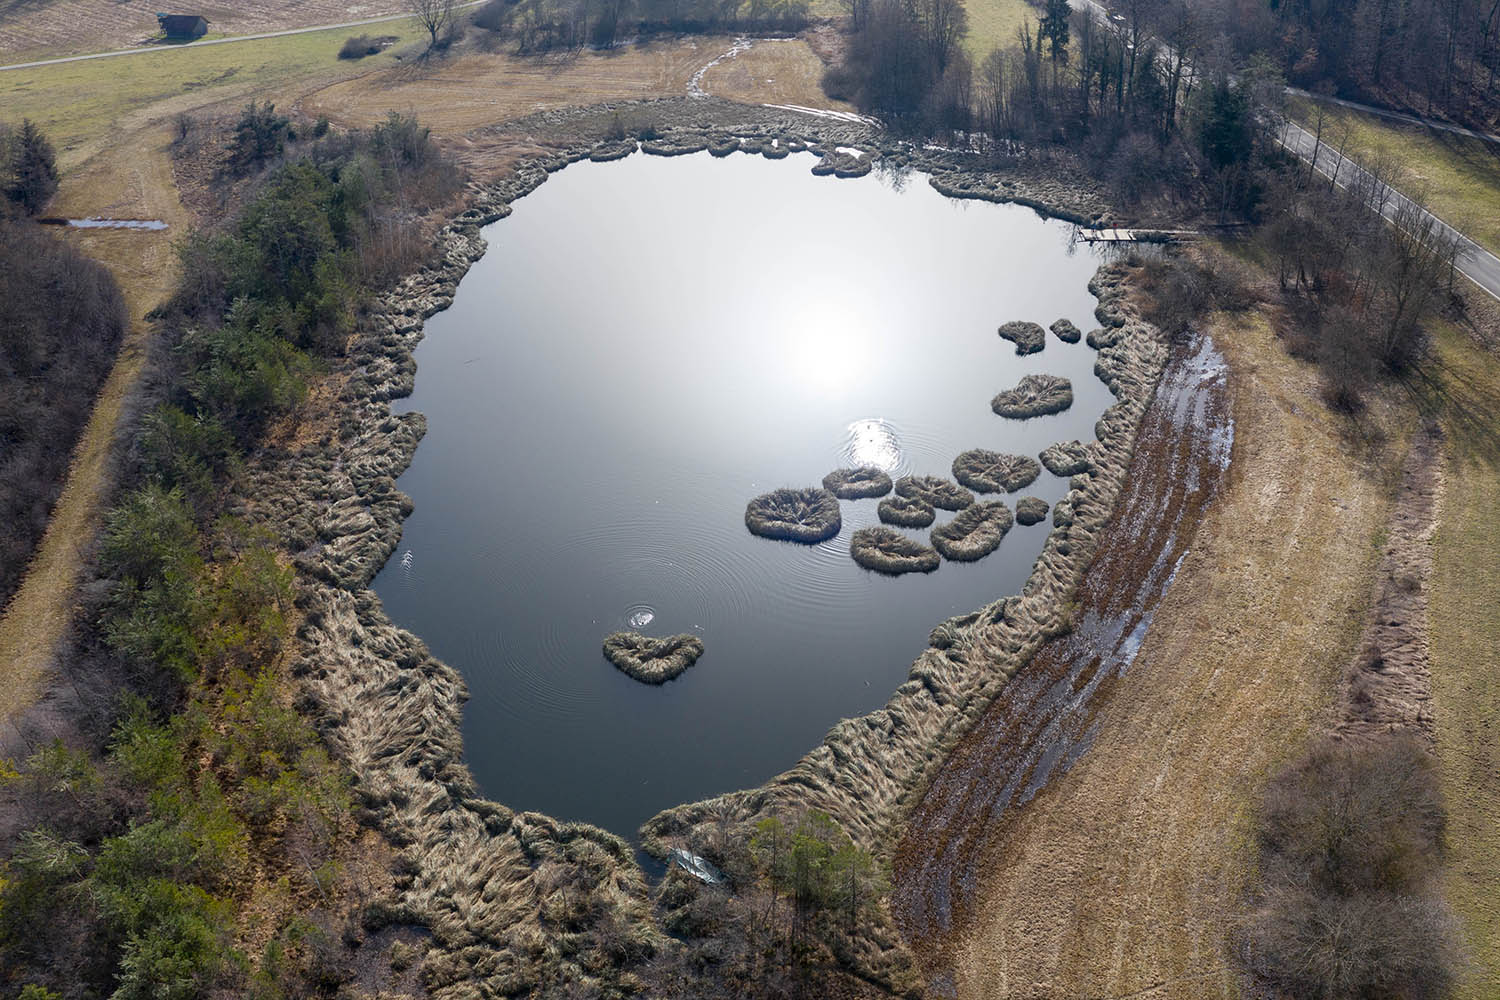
x=1137, y=235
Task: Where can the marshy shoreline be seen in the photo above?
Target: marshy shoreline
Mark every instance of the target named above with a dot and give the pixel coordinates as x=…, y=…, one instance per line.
x=501, y=891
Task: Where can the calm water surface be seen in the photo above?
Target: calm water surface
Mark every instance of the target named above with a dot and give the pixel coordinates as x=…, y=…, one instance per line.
x=647, y=345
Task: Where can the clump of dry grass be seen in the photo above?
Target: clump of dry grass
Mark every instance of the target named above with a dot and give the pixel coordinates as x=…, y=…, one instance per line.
x=1067, y=458
x=974, y=533
x=1034, y=396
x=985, y=471
x=652, y=661
x=887, y=551
x=907, y=512
x=1031, y=510
x=1028, y=337
x=858, y=483
x=943, y=494
x=796, y=515
x=1065, y=331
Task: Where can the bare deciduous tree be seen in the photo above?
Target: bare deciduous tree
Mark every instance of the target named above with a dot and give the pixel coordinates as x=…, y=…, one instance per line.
x=435, y=17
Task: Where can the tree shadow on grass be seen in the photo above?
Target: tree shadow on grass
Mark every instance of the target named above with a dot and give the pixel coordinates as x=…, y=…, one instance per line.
x=1465, y=402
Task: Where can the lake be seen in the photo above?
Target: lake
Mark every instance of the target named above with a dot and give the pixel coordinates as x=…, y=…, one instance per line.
x=647, y=345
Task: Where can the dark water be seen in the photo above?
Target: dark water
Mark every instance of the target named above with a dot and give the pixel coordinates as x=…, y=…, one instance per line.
x=647, y=345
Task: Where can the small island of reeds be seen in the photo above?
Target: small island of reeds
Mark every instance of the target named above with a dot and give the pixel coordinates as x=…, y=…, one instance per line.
x=1065, y=331
x=857, y=483
x=907, y=512
x=1028, y=337
x=890, y=552
x=974, y=533
x=650, y=660
x=808, y=515
x=944, y=494
x=1034, y=396
x=985, y=471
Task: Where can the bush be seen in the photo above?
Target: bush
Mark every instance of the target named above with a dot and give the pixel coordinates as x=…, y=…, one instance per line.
x=1350, y=908
x=358, y=46
x=259, y=135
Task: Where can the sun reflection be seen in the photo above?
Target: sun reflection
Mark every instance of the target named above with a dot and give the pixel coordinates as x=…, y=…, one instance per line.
x=873, y=442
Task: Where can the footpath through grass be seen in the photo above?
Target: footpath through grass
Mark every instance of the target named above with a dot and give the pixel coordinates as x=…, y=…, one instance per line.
x=1465, y=638
x=1461, y=175
x=80, y=103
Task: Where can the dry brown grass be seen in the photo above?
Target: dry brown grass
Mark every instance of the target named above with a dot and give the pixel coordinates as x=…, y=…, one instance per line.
x=475, y=90
x=773, y=72
x=1116, y=879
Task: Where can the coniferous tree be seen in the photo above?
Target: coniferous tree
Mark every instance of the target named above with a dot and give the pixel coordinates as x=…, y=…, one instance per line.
x=33, y=169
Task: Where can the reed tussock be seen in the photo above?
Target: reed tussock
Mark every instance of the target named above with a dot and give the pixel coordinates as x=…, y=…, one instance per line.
x=795, y=515
x=1067, y=458
x=907, y=512
x=944, y=494
x=1065, y=331
x=858, y=483
x=974, y=533
x=890, y=552
x=985, y=471
x=1031, y=510
x=1034, y=396
x=652, y=661
x=1028, y=337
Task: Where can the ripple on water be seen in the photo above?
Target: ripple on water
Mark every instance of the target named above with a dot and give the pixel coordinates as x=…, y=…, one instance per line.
x=638, y=616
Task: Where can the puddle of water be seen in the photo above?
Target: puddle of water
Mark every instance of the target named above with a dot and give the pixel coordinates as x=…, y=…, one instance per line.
x=97, y=223
x=1044, y=720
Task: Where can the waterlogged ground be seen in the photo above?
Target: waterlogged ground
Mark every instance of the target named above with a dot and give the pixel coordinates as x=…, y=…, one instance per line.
x=647, y=345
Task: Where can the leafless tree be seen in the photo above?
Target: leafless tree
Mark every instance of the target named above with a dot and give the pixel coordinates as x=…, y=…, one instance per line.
x=435, y=17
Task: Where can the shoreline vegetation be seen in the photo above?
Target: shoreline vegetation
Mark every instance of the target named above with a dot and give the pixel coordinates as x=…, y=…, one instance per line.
x=512, y=902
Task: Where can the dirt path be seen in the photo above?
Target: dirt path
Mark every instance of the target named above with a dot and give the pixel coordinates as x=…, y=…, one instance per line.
x=1120, y=877
x=133, y=182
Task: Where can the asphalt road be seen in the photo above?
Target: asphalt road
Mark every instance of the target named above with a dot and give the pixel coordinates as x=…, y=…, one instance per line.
x=1474, y=262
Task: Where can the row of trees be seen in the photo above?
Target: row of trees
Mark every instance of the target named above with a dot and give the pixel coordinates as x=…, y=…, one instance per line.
x=62, y=320
x=540, y=26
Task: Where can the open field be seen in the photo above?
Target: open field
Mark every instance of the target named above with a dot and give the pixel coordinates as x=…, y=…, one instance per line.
x=1461, y=175
x=40, y=29
x=1465, y=637
x=81, y=106
x=993, y=25
x=772, y=72
x=474, y=90
x=1122, y=877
